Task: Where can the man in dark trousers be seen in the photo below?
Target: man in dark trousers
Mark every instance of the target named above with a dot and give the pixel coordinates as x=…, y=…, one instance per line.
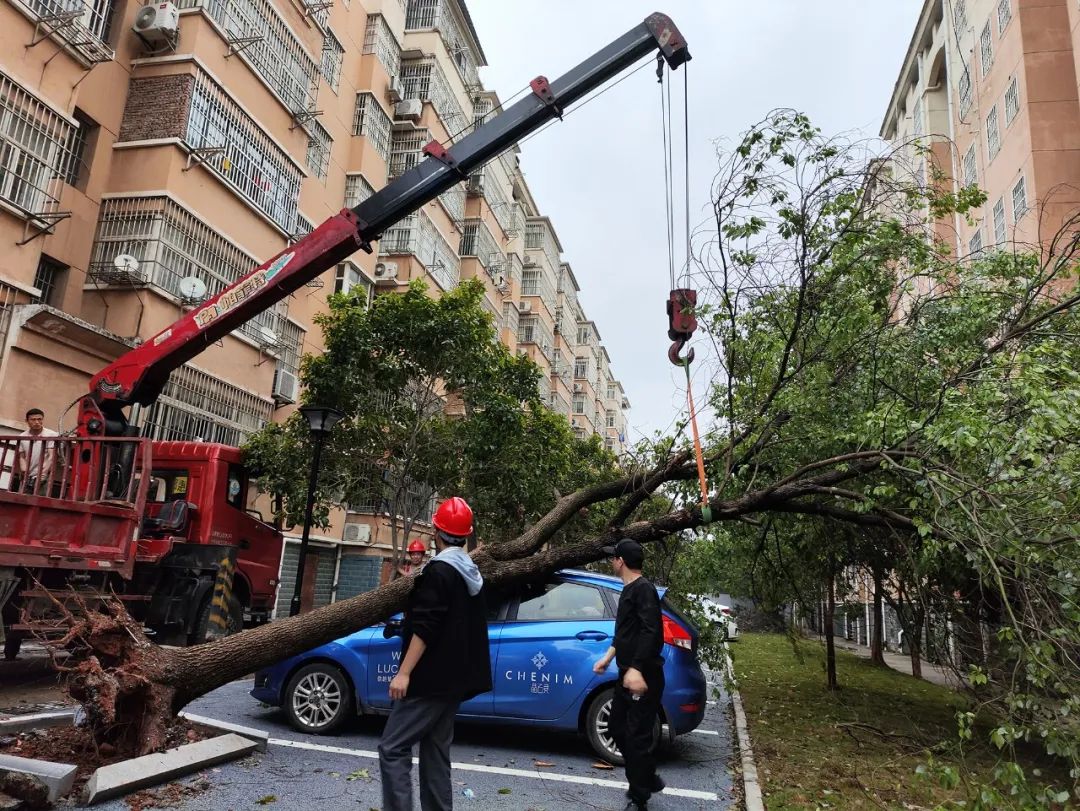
x=445, y=661
x=639, y=638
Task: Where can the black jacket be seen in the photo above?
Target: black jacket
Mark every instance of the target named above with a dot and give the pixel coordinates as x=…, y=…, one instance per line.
x=639, y=636
x=456, y=662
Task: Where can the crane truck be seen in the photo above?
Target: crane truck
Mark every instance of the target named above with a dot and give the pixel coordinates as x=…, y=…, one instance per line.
x=163, y=525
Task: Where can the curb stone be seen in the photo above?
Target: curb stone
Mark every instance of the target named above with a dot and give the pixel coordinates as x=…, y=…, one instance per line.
x=40, y=720
x=751, y=787
x=56, y=778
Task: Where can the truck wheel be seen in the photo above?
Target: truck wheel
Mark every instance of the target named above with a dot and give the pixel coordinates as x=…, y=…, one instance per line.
x=205, y=631
x=318, y=699
x=598, y=729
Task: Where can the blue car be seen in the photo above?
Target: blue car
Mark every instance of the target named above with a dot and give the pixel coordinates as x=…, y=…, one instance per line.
x=545, y=637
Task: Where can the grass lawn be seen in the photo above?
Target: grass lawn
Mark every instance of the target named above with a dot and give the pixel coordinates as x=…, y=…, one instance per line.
x=809, y=750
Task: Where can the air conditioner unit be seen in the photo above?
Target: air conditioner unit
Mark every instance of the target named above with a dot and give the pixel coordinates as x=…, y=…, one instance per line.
x=395, y=91
x=158, y=25
x=475, y=184
x=386, y=272
x=409, y=110
x=527, y=259
x=578, y=388
x=524, y=307
x=285, y=386
x=356, y=533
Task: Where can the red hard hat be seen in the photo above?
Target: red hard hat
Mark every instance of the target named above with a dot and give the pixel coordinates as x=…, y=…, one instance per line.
x=454, y=517
x=416, y=545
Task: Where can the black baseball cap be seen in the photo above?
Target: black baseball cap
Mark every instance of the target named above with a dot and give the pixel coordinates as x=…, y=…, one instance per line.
x=629, y=550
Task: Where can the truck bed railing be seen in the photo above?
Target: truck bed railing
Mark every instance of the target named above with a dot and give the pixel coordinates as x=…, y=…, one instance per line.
x=88, y=470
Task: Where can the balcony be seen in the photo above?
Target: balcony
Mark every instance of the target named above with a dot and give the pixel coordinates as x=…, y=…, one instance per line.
x=477, y=241
x=406, y=150
x=172, y=244
x=260, y=35
x=532, y=330
x=241, y=153
x=423, y=79
x=417, y=236
x=440, y=15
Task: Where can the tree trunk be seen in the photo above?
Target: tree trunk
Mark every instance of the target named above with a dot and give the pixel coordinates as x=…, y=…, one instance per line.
x=877, y=637
x=830, y=646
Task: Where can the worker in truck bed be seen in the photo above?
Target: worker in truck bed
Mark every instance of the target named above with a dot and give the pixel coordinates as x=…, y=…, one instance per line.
x=35, y=462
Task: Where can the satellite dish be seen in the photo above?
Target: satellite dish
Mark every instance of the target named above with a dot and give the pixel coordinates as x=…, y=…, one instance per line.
x=126, y=263
x=192, y=288
x=267, y=336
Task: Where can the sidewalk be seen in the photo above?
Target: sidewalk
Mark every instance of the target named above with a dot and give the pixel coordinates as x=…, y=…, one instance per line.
x=902, y=663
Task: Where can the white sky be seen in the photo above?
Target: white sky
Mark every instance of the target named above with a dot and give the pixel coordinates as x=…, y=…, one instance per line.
x=599, y=174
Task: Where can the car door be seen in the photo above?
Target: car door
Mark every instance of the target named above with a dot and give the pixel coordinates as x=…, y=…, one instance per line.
x=555, y=632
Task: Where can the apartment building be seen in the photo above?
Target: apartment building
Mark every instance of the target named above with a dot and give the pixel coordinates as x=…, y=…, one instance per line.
x=213, y=137
x=989, y=87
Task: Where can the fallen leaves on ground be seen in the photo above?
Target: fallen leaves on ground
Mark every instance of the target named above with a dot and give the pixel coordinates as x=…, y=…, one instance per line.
x=602, y=765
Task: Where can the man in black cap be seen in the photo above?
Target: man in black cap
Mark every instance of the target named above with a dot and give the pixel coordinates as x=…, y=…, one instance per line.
x=639, y=638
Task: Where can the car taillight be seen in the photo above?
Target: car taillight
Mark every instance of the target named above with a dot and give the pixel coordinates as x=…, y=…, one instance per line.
x=675, y=634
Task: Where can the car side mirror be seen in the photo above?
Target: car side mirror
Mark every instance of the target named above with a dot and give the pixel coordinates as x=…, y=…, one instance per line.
x=391, y=629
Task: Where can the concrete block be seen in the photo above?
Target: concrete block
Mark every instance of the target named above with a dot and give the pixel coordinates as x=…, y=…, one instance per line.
x=261, y=737
x=58, y=778
x=126, y=776
x=39, y=720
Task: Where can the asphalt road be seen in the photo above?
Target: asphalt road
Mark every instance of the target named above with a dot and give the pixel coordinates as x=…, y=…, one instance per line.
x=495, y=765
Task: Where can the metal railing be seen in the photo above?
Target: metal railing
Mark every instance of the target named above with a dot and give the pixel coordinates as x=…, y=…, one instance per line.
x=418, y=236
x=423, y=79
x=75, y=469
x=82, y=24
x=200, y=407
x=453, y=200
x=357, y=190
x=371, y=121
x=439, y=14
x=406, y=150
x=477, y=241
x=379, y=39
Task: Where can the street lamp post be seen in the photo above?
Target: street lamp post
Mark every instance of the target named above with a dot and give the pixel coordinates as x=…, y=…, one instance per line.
x=320, y=420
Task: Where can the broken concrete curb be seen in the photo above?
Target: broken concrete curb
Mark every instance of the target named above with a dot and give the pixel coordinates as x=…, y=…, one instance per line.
x=126, y=776
x=58, y=778
x=261, y=737
x=38, y=720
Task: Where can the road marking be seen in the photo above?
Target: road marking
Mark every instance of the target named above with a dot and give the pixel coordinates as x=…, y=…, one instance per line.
x=705, y=732
x=479, y=767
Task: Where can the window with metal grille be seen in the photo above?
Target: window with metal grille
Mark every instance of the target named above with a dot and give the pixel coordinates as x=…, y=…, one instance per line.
x=538, y=236
x=170, y=244
x=291, y=346
x=275, y=52
x=357, y=190
x=249, y=160
x=609, y=419
x=198, y=406
x=82, y=142
x=581, y=368
x=350, y=277
x=482, y=108
x=406, y=150
x=1019, y=200
x=418, y=236
x=1004, y=14
x=960, y=15
x=511, y=317
x=48, y=280
x=971, y=171
x=584, y=335
x=986, y=48
x=533, y=330
x=975, y=245
x=421, y=14
x=579, y=403
x=304, y=226
x=440, y=15
x=379, y=39
x=993, y=133
x=917, y=118
x=1012, y=101
x=999, y=221
x=371, y=121
x=333, y=52
x=964, y=90
x=476, y=240
x=423, y=79
x=35, y=144
x=453, y=200
x=83, y=24
x=610, y=392
x=318, y=150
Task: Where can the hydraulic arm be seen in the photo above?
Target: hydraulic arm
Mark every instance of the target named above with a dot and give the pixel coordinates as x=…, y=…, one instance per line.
x=139, y=375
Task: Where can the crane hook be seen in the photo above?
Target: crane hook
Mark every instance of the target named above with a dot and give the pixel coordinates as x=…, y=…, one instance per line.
x=681, y=323
x=676, y=348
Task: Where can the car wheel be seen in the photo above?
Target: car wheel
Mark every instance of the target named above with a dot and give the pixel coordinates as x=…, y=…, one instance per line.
x=598, y=728
x=318, y=699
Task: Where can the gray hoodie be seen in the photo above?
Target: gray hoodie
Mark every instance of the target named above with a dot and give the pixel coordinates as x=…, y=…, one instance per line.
x=460, y=560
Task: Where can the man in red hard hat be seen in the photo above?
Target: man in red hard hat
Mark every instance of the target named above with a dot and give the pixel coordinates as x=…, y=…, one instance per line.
x=415, y=559
x=445, y=660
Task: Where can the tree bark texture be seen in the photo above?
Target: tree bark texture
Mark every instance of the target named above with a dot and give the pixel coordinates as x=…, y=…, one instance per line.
x=877, y=637
x=830, y=642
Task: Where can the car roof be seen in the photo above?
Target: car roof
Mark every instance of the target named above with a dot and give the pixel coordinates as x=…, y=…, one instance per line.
x=596, y=579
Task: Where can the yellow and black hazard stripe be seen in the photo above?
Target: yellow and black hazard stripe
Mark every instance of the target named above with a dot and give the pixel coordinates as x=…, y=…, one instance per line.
x=222, y=598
